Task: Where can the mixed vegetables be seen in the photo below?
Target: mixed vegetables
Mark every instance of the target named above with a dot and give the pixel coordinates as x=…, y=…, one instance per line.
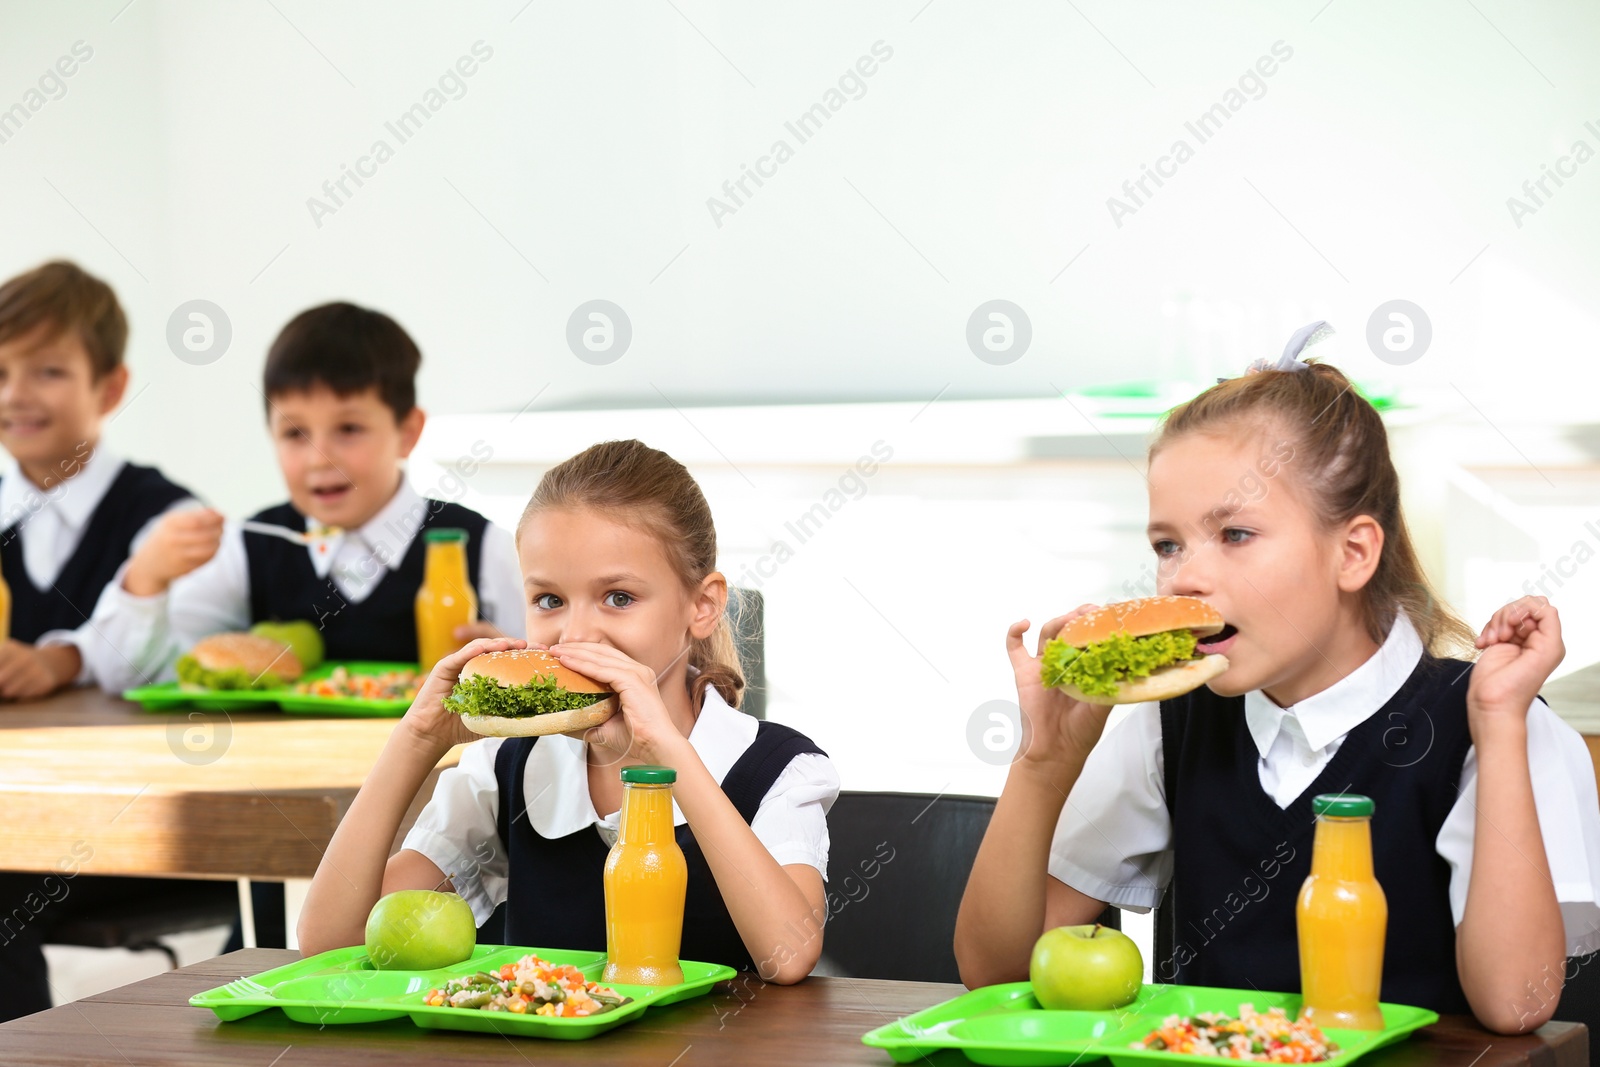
x=531, y=986
x=391, y=685
x=1263, y=1038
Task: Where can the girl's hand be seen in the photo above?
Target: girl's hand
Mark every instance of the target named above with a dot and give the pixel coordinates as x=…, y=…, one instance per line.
x=644, y=728
x=1521, y=646
x=427, y=718
x=1055, y=726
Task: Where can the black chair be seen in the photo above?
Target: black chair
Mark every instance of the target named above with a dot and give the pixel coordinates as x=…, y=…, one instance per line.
x=1580, y=998
x=140, y=924
x=897, y=866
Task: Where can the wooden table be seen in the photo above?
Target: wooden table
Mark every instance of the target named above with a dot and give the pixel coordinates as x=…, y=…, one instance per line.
x=221, y=795
x=819, y=1021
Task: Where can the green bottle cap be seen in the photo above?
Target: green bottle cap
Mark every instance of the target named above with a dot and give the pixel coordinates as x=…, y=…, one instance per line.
x=649, y=775
x=444, y=534
x=1342, y=805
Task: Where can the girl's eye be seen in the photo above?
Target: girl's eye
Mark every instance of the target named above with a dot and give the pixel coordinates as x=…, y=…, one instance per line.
x=547, y=602
x=612, y=599
x=1165, y=548
x=1244, y=535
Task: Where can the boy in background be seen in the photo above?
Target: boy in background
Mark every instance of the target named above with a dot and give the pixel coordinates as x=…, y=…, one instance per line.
x=71, y=512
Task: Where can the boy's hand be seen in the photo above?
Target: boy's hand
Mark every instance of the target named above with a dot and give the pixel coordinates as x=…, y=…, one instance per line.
x=179, y=542
x=644, y=728
x=27, y=673
x=1054, y=726
x=427, y=719
x=1521, y=646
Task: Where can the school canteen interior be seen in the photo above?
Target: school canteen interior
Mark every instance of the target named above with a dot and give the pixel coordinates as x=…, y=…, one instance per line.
x=905, y=285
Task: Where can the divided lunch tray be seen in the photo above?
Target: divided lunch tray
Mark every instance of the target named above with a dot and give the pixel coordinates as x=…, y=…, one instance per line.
x=1003, y=1025
x=169, y=695
x=342, y=986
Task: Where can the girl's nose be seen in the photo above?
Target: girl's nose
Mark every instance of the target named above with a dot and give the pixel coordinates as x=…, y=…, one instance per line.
x=580, y=624
x=1186, y=574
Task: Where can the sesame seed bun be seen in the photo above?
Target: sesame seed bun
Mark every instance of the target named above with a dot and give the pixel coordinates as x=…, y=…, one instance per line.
x=1143, y=617
x=520, y=666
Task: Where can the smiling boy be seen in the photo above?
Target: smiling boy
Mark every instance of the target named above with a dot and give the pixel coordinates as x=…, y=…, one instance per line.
x=341, y=408
x=70, y=510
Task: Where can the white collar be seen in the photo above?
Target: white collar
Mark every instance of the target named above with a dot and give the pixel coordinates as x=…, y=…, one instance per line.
x=1344, y=705
x=556, y=783
x=74, y=498
x=387, y=535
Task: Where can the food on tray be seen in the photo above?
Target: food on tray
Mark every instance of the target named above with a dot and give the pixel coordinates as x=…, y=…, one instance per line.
x=1085, y=968
x=390, y=685
x=1271, y=1037
x=300, y=635
x=420, y=930
x=1137, y=650
x=531, y=986
x=238, y=661
x=525, y=692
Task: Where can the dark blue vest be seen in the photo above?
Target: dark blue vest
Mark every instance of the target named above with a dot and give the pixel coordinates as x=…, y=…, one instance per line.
x=555, y=892
x=284, y=586
x=1239, y=859
x=136, y=495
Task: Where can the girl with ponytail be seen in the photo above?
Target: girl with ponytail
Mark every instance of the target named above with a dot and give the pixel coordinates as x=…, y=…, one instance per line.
x=1273, y=498
x=618, y=555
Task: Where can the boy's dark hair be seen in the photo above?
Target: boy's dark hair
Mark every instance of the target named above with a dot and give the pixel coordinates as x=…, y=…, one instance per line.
x=349, y=349
x=66, y=297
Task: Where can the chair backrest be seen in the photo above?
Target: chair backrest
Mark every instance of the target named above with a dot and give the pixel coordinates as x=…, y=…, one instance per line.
x=897, y=867
x=747, y=615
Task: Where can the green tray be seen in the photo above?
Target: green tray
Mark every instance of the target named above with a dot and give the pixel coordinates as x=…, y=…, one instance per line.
x=342, y=986
x=1003, y=1025
x=169, y=695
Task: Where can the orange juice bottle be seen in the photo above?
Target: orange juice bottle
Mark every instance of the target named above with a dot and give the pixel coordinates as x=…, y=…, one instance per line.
x=5, y=609
x=1342, y=916
x=446, y=599
x=645, y=880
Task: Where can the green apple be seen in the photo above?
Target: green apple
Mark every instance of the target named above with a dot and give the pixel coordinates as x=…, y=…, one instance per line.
x=1085, y=968
x=419, y=930
x=301, y=636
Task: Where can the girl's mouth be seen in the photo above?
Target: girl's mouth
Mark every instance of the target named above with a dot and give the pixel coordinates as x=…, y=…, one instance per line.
x=1218, y=642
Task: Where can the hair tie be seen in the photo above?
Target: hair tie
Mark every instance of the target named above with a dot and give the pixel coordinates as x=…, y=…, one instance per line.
x=1303, y=338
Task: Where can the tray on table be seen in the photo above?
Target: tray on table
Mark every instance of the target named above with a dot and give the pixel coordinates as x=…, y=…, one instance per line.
x=342, y=987
x=170, y=695
x=1004, y=1025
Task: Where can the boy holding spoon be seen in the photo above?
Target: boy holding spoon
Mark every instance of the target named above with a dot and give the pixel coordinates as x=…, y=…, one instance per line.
x=346, y=550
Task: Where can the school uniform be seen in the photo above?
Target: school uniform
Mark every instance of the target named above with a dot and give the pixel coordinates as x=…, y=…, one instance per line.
x=1211, y=796
x=358, y=586
x=60, y=547
x=515, y=819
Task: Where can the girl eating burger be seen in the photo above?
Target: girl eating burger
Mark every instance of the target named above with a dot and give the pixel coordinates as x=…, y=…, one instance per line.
x=618, y=556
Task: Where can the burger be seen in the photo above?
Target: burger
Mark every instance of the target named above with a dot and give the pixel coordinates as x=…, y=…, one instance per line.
x=238, y=661
x=1135, y=650
x=526, y=692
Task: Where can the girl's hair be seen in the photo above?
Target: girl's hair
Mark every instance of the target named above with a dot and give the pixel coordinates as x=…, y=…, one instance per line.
x=1341, y=456
x=648, y=488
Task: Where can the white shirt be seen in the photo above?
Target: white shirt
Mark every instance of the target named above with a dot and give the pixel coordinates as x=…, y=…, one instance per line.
x=153, y=631
x=51, y=524
x=459, y=833
x=1114, y=839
